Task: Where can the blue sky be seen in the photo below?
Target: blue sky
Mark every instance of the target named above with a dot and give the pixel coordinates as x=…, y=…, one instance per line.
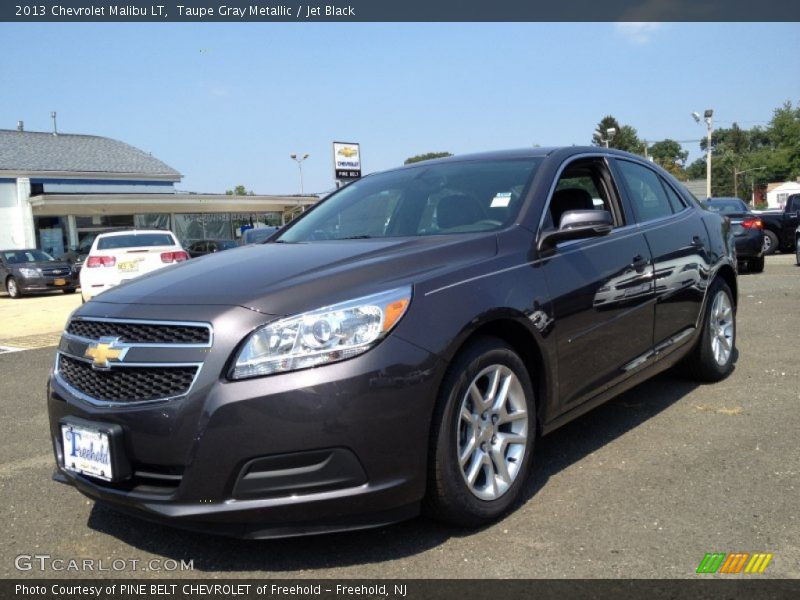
x=226, y=104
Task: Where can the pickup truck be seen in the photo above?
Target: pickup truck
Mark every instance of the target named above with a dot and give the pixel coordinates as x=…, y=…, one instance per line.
x=779, y=227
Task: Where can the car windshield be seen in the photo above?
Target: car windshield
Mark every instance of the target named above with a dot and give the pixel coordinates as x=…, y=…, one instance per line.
x=442, y=198
x=727, y=206
x=251, y=236
x=23, y=256
x=134, y=240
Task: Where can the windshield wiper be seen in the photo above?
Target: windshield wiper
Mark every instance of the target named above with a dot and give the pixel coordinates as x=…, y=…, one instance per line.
x=357, y=237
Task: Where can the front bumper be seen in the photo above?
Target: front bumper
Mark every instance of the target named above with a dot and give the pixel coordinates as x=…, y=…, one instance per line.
x=46, y=283
x=190, y=455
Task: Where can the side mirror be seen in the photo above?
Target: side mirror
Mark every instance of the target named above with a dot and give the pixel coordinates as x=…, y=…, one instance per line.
x=578, y=224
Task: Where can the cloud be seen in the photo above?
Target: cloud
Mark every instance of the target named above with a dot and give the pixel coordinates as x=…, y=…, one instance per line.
x=637, y=33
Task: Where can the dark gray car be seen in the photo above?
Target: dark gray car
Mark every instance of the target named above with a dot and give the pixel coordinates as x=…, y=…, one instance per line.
x=30, y=270
x=399, y=346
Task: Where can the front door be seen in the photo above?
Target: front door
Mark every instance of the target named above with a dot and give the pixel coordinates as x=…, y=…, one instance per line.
x=602, y=288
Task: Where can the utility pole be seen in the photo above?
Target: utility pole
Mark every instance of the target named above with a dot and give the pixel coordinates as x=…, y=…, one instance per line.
x=736, y=177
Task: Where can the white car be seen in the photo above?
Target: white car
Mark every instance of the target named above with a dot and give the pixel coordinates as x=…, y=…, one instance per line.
x=118, y=256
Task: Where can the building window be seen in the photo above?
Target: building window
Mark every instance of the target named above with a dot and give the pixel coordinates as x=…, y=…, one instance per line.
x=195, y=226
x=152, y=221
x=51, y=235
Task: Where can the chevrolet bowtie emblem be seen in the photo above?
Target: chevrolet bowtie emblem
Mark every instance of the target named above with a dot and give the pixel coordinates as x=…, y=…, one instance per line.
x=104, y=351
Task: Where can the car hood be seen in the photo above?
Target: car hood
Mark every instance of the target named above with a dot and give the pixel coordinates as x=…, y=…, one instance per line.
x=44, y=264
x=281, y=279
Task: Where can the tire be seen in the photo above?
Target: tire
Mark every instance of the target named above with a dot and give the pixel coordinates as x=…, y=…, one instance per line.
x=797, y=252
x=770, y=242
x=707, y=361
x=12, y=288
x=462, y=427
x=70, y=290
x=755, y=265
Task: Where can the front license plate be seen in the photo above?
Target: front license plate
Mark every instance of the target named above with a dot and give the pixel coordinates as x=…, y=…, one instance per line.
x=130, y=266
x=60, y=282
x=87, y=451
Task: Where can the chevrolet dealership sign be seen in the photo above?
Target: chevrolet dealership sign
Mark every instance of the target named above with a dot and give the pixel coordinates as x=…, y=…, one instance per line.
x=346, y=160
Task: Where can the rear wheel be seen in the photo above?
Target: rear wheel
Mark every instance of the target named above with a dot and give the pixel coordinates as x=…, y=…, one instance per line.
x=797, y=251
x=755, y=265
x=483, y=433
x=12, y=288
x=770, y=242
x=712, y=357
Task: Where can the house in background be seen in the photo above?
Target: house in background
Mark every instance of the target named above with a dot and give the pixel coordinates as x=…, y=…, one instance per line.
x=57, y=188
x=777, y=193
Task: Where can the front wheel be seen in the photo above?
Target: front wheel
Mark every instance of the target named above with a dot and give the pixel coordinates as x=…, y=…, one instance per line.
x=12, y=288
x=483, y=433
x=713, y=356
x=797, y=252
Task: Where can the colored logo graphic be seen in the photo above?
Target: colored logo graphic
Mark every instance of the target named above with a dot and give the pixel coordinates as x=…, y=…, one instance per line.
x=104, y=351
x=732, y=564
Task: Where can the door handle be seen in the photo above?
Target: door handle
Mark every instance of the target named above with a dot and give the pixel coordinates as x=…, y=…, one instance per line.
x=639, y=262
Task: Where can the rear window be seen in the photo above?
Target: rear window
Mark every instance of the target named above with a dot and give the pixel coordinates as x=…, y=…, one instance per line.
x=138, y=240
x=726, y=206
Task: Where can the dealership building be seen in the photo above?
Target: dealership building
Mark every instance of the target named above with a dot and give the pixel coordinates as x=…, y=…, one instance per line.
x=57, y=188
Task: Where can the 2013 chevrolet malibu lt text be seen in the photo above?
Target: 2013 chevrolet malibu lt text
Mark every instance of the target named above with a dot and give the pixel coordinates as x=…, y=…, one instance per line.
x=397, y=348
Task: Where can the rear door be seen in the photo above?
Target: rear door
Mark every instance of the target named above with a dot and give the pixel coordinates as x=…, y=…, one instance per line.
x=679, y=244
x=602, y=288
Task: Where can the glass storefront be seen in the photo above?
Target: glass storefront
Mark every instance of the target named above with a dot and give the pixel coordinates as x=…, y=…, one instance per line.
x=52, y=234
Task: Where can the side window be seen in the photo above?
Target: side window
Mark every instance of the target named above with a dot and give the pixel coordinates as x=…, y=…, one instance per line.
x=645, y=191
x=674, y=200
x=583, y=185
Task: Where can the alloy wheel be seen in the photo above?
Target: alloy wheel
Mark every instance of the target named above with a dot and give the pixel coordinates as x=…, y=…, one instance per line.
x=721, y=326
x=492, y=432
x=767, y=244
x=11, y=287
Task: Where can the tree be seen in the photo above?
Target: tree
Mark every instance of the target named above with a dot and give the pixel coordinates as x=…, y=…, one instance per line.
x=696, y=170
x=239, y=190
x=625, y=138
x=671, y=156
x=426, y=156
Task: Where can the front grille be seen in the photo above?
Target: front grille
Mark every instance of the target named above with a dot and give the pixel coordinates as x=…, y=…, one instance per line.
x=52, y=272
x=126, y=384
x=140, y=333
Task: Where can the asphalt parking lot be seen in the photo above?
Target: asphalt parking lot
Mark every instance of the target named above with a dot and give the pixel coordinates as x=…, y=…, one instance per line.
x=643, y=486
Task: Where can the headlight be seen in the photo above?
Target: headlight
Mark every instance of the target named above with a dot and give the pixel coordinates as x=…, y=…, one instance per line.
x=26, y=272
x=321, y=336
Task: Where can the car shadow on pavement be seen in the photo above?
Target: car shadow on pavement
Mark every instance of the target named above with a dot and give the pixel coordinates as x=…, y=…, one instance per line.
x=555, y=452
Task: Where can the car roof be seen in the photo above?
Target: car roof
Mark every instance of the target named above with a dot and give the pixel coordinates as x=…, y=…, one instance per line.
x=533, y=152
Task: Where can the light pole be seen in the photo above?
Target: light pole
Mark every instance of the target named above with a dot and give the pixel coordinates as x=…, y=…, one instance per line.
x=299, y=161
x=609, y=133
x=707, y=117
x=736, y=175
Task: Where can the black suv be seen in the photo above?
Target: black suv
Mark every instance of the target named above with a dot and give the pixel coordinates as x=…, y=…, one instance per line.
x=399, y=346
